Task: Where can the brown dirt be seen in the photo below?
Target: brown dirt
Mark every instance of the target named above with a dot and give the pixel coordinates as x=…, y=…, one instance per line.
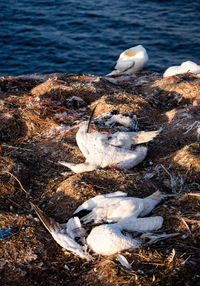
x=31, y=110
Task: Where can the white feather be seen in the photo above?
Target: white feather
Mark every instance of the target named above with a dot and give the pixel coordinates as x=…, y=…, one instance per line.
x=123, y=261
x=70, y=244
x=108, y=239
x=99, y=201
x=114, y=208
x=74, y=228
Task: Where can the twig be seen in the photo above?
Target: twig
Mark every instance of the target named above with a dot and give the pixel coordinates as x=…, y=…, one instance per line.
x=13, y=202
x=194, y=194
x=184, y=222
x=7, y=172
x=166, y=170
x=13, y=147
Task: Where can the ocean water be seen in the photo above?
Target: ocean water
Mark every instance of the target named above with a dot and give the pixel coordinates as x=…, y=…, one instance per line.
x=87, y=36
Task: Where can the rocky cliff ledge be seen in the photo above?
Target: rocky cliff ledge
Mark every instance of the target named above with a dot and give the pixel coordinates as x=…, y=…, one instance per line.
x=39, y=119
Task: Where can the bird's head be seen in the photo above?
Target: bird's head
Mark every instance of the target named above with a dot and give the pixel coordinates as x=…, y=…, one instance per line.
x=132, y=52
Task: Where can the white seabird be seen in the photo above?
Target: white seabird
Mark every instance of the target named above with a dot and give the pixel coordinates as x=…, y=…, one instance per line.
x=185, y=67
x=121, y=211
x=102, y=150
x=130, y=61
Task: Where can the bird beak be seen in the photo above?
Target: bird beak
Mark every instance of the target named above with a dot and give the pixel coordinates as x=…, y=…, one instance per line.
x=90, y=119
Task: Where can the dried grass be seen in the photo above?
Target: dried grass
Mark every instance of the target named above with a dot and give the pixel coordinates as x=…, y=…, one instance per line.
x=28, y=162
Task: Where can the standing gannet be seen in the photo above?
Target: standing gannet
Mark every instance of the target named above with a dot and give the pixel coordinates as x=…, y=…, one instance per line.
x=185, y=67
x=130, y=61
x=102, y=150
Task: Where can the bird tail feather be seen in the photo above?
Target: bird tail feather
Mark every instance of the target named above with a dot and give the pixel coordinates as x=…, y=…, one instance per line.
x=144, y=136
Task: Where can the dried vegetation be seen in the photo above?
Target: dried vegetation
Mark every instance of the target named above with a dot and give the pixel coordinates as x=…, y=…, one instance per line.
x=39, y=120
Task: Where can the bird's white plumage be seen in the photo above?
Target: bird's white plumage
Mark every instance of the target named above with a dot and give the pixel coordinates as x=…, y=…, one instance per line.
x=108, y=239
x=102, y=150
x=130, y=61
x=185, y=67
x=119, y=212
x=99, y=200
x=74, y=228
x=116, y=208
x=145, y=224
x=65, y=241
x=123, y=120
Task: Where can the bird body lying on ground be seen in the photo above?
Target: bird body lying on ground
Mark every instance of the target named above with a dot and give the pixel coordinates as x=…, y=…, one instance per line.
x=130, y=61
x=102, y=150
x=109, y=238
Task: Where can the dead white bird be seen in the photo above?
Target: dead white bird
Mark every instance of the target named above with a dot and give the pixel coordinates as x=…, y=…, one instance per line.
x=123, y=213
x=185, y=67
x=102, y=150
x=131, y=61
x=61, y=236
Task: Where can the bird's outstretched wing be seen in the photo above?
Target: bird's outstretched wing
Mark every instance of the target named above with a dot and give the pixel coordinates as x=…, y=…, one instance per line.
x=98, y=201
x=62, y=238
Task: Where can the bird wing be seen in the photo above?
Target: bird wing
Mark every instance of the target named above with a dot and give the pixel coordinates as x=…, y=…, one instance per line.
x=49, y=223
x=144, y=136
x=150, y=202
x=141, y=224
x=79, y=168
x=114, y=210
x=123, y=65
x=126, y=139
x=99, y=201
x=59, y=236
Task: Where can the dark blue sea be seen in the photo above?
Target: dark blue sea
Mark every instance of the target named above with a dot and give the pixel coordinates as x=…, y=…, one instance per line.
x=87, y=36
